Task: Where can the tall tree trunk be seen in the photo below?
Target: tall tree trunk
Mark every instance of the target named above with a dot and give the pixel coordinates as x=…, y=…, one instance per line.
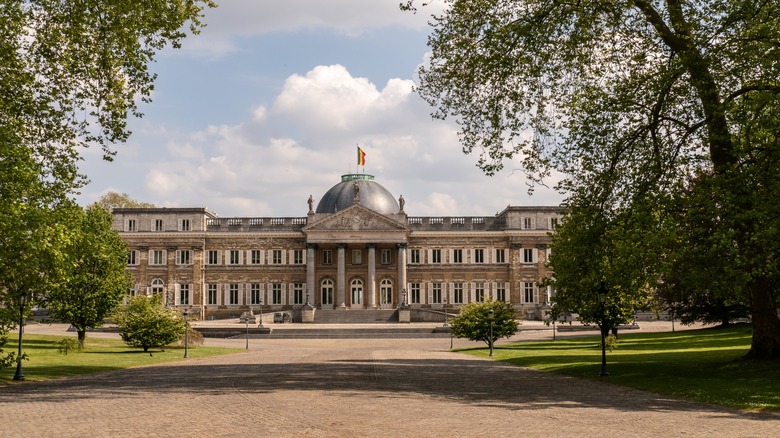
x=766, y=324
x=82, y=335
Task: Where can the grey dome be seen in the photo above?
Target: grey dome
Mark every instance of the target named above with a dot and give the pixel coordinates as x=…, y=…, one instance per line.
x=370, y=193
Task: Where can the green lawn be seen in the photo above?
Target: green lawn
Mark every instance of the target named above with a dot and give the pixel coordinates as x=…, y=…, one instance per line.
x=101, y=354
x=703, y=365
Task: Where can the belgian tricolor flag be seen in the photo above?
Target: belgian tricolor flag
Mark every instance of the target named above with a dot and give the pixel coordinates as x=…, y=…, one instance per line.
x=361, y=156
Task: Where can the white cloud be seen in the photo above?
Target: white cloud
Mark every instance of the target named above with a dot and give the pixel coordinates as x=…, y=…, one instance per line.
x=241, y=170
x=235, y=19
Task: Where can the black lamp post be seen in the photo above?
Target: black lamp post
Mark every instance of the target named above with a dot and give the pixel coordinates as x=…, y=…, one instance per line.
x=602, y=295
x=186, y=333
x=490, y=317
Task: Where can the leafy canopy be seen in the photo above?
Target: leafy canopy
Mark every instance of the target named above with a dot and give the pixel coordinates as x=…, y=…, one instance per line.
x=146, y=323
x=96, y=280
x=473, y=322
x=631, y=102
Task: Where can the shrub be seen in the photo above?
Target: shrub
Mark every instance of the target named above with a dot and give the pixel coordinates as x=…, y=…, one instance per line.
x=146, y=323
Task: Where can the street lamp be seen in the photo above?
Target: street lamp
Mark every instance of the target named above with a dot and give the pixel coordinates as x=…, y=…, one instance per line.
x=186, y=333
x=490, y=317
x=602, y=295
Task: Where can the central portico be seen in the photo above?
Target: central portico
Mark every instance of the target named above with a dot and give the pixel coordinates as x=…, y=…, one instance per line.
x=356, y=246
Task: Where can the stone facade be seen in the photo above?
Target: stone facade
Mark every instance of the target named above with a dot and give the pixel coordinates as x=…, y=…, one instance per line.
x=353, y=259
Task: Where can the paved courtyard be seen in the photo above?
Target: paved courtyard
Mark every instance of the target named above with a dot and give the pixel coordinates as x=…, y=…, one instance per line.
x=353, y=387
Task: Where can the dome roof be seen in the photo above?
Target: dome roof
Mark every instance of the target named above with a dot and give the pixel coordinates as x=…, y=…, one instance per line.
x=370, y=193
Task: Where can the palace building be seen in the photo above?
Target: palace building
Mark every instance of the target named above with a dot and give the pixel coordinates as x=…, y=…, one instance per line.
x=358, y=256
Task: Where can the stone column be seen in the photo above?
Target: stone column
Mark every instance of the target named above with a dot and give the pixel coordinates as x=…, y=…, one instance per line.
x=402, y=273
x=311, y=278
x=341, y=276
x=371, y=275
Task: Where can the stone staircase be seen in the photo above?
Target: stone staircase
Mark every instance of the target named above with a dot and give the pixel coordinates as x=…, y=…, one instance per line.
x=363, y=316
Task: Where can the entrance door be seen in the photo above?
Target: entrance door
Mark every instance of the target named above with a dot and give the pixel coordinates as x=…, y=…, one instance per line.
x=327, y=293
x=356, y=286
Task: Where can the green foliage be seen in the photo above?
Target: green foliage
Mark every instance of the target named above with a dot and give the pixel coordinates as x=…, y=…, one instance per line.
x=113, y=200
x=636, y=104
x=611, y=342
x=96, y=280
x=473, y=322
x=66, y=345
x=146, y=323
x=6, y=359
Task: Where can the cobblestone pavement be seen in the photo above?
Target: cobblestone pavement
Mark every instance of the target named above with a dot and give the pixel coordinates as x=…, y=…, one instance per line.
x=350, y=387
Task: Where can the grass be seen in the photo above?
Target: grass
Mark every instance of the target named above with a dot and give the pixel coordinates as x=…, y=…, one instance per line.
x=704, y=365
x=101, y=354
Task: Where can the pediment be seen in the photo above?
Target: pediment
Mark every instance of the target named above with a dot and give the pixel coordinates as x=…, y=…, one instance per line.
x=356, y=218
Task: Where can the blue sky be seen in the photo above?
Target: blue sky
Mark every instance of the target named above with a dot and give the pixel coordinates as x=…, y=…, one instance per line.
x=266, y=106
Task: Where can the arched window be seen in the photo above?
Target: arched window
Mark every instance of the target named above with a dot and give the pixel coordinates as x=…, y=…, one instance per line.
x=326, y=286
x=158, y=286
x=385, y=292
x=356, y=286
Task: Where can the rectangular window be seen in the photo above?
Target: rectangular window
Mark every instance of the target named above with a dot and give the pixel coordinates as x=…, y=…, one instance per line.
x=157, y=257
x=184, y=225
x=131, y=225
x=256, y=256
x=527, y=223
x=479, y=255
x=457, y=256
x=479, y=292
x=327, y=257
x=500, y=256
x=132, y=258
x=298, y=256
x=435, y=256
x=235, y=257
x=414, y=256
x=276, y=293
x=500, y=292
x=414, y=292
x=211, y=294
x=386, y=257
x=298, y=293
x=528, y=292
x=184, y=294
x=436, y=293
x=157, y=225
x=457, y=293
x=213, y=257
x=553, y=223
x=184, y=257
x=357, y=256
x=528, y=255
x=233, y=293
x=276, y=257
x=254, y=294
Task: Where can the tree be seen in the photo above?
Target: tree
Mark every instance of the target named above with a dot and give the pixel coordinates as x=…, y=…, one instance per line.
x=33, y=214
x=629, y=100
x=473, y=322
x=112, y=200
x=96, y=280
x=145, y=322
x=72, y=72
